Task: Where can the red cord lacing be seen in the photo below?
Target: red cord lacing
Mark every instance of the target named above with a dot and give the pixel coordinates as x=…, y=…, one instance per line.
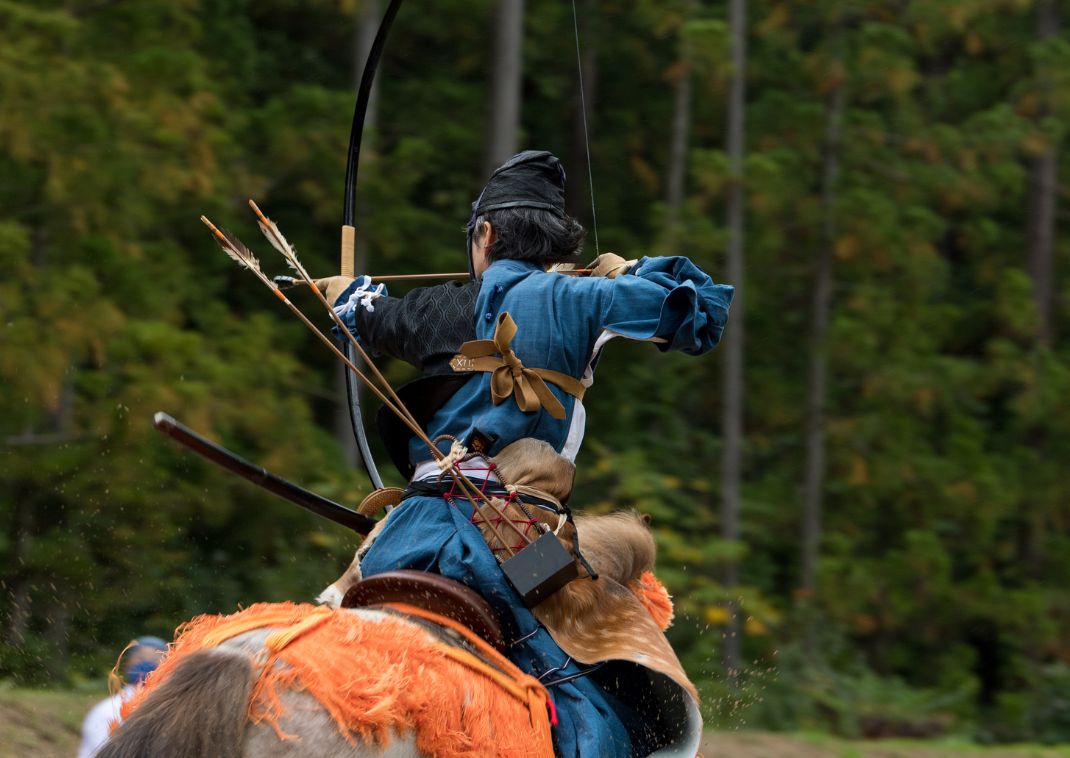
x=476, y=518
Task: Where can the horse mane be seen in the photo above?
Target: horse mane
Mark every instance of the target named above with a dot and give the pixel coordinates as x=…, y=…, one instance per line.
x=200, y=710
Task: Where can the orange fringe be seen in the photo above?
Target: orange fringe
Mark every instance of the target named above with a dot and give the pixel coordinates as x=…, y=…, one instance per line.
x=381, y=676
x=655, y=598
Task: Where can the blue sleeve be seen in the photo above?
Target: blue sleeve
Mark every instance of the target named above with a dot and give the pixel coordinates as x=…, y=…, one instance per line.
x=671, y=300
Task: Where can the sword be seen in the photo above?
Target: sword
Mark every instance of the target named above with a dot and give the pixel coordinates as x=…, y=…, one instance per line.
x=261, y=477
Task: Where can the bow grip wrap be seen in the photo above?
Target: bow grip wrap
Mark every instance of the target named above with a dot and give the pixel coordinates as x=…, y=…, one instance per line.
x=349, y=252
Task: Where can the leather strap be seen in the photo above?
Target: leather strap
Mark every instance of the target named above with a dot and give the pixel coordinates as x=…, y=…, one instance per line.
x=511, y=377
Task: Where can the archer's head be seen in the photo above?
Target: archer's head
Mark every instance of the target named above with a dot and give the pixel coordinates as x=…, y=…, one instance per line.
x=520, y=215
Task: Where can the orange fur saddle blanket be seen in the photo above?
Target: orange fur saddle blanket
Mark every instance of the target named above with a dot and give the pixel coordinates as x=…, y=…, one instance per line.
x=390, y=671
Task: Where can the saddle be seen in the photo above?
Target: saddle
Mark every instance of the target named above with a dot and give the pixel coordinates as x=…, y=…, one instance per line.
x=431, y=592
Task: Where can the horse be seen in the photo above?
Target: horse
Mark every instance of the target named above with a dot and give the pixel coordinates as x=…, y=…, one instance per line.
x=284, y=679
x=238, y=693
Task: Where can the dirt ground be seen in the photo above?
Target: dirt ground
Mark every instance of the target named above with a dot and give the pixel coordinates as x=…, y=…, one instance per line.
x=47, y=725
x=42, y=724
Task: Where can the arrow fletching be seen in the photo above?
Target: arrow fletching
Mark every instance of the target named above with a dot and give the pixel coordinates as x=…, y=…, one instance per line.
x=277, y=240
x=236, y=249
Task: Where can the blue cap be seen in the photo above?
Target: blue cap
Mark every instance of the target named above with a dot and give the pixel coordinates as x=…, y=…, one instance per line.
x=136, y=674
x=149, y=641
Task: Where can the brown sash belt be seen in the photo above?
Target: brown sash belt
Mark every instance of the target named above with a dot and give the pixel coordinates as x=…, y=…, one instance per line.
x=510, y=377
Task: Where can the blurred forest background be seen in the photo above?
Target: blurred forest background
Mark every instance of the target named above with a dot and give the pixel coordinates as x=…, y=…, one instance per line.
x=859, y=498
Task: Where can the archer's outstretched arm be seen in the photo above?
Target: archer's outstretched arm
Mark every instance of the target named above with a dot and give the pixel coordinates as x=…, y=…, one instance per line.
x=667, y=300
x=427, y=324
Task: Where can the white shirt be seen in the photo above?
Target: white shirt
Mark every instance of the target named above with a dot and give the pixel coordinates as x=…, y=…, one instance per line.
x=97, y=725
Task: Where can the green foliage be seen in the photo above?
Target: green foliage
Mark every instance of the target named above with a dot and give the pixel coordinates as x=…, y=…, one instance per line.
x=848, y=699
x=944, y=556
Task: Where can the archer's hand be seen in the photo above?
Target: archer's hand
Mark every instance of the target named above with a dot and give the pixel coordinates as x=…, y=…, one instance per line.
x=333, y=286
x=610, y=265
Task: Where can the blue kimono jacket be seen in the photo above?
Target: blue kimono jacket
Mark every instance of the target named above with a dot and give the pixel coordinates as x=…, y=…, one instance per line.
x=563, y=323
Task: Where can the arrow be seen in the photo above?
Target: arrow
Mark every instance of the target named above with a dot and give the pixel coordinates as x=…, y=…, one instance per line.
x=286, y=282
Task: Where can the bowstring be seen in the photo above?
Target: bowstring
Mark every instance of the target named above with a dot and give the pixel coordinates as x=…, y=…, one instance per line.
x=586, y=136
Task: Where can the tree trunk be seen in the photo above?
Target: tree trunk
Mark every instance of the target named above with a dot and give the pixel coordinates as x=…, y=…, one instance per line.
x=681, y=130
x=813, y=488
x=1043, y=186
x=732, y=425
x=18, y=615
x=503, y=124
x=18, y=584
x=57, y=635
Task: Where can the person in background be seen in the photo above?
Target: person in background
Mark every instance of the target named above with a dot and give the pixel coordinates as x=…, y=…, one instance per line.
x=143, y=655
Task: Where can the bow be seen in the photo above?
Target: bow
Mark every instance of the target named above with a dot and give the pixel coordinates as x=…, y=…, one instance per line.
x=349, y=232
x=348, y=247
x=511, y=377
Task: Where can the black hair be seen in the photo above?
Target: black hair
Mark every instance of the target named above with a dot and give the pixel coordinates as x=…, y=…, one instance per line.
x=533, y=234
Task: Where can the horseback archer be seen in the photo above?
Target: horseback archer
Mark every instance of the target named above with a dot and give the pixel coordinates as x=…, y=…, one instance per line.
x=565, y=652
x=507, y=358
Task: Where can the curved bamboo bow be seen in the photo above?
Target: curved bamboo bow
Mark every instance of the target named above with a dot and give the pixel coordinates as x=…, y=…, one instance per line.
x=349, y=231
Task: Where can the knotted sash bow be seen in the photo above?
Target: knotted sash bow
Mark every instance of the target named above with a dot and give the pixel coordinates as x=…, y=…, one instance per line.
x=511, y=377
